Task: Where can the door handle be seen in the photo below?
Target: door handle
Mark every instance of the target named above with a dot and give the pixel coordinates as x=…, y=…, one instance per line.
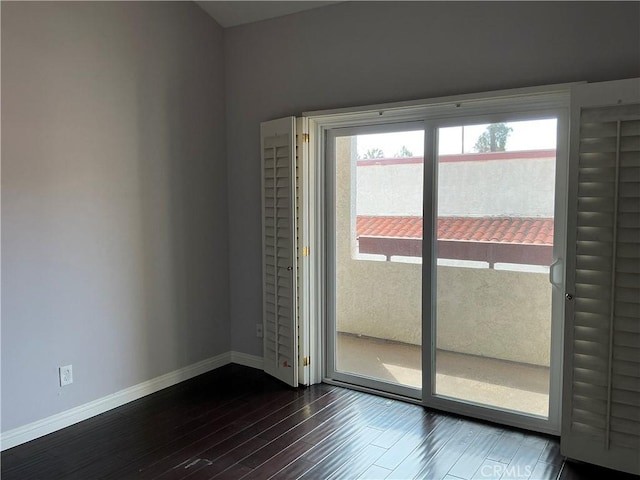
x=555, y=273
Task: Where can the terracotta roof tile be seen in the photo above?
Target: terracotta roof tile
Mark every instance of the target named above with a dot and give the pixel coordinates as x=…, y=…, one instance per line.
x=484, y=229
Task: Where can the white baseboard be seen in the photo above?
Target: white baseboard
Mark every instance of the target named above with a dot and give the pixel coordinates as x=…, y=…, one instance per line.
x=39, y=428
x=247, y=360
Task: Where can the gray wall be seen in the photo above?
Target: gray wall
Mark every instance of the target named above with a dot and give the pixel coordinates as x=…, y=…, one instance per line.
x=117, y=234
x=361, y=53
x=114, y=198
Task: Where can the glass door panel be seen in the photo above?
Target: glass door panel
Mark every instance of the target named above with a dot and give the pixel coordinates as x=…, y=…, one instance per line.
x=494, y=248
x=375, y=332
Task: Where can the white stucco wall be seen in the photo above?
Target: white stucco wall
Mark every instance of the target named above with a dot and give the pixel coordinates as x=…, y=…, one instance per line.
x=486, y=312
x=522, y=187
x=390, y=190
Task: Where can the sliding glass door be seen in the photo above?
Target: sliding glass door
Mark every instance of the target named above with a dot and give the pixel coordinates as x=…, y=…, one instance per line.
x=491, y=316
x=444, y=260
x=374, y=333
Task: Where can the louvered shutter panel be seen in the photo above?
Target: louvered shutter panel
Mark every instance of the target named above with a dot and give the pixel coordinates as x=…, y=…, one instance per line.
x=601, y=398
x=280, y=346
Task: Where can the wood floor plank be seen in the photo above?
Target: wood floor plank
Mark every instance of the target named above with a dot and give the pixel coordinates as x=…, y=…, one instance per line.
x=307, y=425
x=358, y=464
x=474, y=456
x=551, y=454
x=374, y=472
x=237, y=422
x=336, y=438
x=278, y=461
x=276, y=446
x=413, y=438
x=506, y=446
x=329, y=437
x=545, y=471
x=399, y=428
x=396, y=412
x=439, y=464
x=194, y=443
x=145, y=445
x=342, y=432
x=524, y=460
x=490, y=469
x=234, y=472
x=225, y=461
x=294, y=470
x=351, y=411
x=311, y=410
x=56, y=442
x=35, y=467
x=332, y=462
x=297, y=426
x=431, y=448
x=154, y=449
x=253, y=423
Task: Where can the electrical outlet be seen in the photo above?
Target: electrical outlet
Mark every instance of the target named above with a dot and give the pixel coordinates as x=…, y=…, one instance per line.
x=66, y=375
x=259, y=330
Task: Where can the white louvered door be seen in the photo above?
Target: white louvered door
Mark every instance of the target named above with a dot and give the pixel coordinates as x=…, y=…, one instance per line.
x=280, y=347
x=601, y=394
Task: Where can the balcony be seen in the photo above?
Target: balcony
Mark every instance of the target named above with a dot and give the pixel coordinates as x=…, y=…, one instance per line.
x=510, y=385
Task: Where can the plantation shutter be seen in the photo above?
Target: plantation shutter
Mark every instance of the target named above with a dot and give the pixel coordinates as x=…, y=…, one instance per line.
x=280, y=337
x=601, y=395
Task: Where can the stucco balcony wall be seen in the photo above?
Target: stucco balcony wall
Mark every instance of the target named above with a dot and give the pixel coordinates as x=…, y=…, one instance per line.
x=481, y=311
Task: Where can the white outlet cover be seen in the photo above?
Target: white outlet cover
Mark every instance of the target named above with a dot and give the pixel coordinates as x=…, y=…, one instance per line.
x=66, y=375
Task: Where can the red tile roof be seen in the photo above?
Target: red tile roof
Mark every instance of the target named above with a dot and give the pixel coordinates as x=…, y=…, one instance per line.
x=537, y=231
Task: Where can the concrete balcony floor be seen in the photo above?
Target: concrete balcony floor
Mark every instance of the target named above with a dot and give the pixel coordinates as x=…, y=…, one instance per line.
x=499, y=383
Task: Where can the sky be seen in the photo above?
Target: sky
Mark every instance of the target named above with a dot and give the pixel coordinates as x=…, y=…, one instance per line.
x=526, y=135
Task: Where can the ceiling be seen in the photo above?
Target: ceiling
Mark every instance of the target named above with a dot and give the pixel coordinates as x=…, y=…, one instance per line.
x=230, y=14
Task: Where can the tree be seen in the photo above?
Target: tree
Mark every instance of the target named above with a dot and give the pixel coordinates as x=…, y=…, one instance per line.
x=494, y=138
x=373, y=153
x=404, y=152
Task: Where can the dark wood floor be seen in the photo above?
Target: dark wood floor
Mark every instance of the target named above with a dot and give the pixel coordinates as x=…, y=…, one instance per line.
x=236, y=422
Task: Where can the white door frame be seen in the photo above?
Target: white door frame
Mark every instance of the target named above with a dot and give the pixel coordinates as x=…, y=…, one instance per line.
x=488, y=105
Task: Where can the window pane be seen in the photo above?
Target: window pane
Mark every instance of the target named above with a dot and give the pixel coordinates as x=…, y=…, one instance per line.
x=496, y=186
x=379, y=180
